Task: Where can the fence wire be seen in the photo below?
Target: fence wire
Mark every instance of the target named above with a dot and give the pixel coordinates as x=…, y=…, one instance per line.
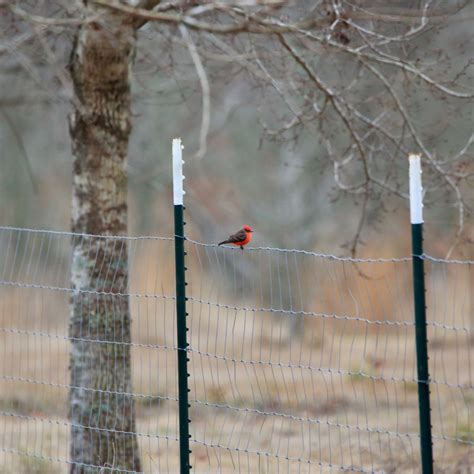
x=299, y=361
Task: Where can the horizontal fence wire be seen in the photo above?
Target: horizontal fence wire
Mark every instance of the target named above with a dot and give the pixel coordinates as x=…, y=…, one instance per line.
x=450, y=300
x=35, y=346
x=299, y=361
x=302, y=361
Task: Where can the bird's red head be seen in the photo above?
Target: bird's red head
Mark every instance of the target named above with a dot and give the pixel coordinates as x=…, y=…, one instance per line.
x=247, y=228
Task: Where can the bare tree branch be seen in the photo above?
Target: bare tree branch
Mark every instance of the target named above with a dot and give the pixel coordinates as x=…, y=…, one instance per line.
x=206, y=92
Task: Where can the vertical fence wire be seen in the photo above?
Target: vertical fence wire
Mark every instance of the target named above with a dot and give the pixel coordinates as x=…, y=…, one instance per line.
x=298, y=363
x=35, y=295
x=450, y=322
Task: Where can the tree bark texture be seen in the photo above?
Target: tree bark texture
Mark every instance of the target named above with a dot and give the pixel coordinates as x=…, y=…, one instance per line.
x=101, y=409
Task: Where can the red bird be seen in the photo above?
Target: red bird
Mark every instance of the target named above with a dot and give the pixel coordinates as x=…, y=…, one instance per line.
x=240, y=238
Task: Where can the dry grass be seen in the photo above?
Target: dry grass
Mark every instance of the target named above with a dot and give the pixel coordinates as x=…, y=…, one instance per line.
x=332, y=391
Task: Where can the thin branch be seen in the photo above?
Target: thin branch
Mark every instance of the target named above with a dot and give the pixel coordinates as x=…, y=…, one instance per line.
x=206, y=92
x=187, y=20
x=22, y=149
x=280, y=27
x=422, y=146
x=331, y=97
x=47, y=21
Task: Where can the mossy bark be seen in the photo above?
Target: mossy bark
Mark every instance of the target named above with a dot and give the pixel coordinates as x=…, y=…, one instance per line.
x=101, y=409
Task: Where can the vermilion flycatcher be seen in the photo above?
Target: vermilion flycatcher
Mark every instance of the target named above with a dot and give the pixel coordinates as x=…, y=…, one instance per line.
x=240, y=238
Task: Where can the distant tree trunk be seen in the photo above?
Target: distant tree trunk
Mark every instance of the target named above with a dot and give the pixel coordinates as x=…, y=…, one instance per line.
x=102, y=416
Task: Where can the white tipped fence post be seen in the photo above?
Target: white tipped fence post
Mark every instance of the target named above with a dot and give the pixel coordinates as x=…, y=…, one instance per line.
x=181, y=313
x=416, y=216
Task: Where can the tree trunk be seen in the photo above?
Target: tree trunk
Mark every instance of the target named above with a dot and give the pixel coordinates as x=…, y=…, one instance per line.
x=101, y=410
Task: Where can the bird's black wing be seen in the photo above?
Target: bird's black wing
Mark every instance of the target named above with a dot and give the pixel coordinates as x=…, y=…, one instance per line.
x=236, y=238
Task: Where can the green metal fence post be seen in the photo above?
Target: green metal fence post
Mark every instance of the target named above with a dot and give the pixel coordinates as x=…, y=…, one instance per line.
x=416, y=215
x=181, y=313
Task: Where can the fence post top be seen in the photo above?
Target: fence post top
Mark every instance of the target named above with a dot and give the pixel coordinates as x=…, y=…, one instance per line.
x=178, y=177
x=416, y=189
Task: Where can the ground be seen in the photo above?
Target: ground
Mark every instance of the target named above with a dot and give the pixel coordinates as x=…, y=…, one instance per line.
x=305, y=366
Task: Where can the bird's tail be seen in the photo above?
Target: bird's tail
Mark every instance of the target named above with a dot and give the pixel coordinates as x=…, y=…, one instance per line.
x=224, y=242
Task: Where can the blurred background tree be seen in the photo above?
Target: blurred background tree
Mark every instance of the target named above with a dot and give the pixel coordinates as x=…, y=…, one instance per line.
x=419, y=49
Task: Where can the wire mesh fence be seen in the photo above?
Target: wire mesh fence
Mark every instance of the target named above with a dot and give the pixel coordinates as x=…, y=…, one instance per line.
x=298, y=361
x=36, y=295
